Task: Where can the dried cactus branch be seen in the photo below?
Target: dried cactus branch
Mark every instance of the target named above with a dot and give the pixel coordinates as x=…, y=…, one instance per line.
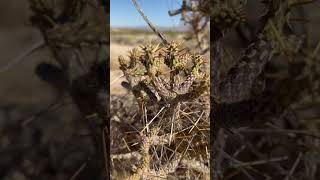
x=154, y=29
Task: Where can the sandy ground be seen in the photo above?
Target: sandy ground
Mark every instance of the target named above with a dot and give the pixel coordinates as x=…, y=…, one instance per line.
x=116, y=75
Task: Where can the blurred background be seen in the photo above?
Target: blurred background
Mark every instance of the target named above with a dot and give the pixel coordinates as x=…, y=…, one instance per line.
x=124, y=15
x=42, y=132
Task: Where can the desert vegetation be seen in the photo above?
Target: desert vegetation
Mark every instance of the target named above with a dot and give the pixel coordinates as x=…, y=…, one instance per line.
x=235, y=96
x=160, y=126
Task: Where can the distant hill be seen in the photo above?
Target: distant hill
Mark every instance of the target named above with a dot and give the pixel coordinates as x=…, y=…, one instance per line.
x=146, y=28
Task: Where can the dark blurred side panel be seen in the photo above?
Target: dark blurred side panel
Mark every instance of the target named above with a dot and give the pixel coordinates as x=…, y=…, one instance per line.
x=264, y=90
x=54, y=92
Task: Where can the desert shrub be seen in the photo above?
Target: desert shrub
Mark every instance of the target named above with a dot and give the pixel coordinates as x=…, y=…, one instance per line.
x=170, y=137
x=171, y=90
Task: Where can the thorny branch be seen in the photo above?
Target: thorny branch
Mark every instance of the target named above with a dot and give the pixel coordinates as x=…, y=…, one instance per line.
x=154, y=29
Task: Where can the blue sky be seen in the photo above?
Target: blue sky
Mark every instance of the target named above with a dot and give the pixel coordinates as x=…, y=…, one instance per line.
x=123, y=13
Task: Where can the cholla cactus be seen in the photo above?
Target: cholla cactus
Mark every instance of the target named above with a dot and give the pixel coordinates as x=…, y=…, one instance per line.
x=162, y=76
x=171, y=87
x=164, y=73
x=224, y=18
